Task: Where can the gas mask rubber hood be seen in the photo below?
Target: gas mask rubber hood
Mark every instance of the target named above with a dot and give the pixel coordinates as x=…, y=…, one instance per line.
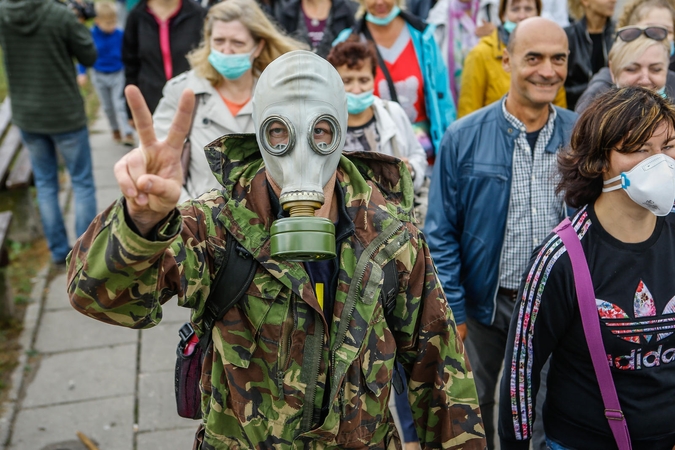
x=300, y=118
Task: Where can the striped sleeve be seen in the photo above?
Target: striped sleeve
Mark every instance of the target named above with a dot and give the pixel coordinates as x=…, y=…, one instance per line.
x=545, y=305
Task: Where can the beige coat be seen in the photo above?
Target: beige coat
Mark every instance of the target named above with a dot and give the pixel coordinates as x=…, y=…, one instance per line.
x=212, y=120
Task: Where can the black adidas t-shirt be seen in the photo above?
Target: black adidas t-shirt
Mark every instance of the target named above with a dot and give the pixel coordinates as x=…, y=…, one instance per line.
x=635, y=291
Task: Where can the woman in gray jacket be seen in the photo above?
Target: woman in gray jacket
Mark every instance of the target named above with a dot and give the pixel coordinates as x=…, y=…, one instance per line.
x=239, y=42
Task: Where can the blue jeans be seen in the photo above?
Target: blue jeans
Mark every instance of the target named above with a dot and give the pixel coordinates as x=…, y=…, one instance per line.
x=550, y=445
x=404, y=410
x=75, y=149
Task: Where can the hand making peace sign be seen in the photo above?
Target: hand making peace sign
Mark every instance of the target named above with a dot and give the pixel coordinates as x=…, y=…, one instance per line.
x=151, y=176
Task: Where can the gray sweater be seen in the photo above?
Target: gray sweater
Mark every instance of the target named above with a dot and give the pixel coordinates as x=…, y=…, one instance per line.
x=602, y=82
x=40, y=40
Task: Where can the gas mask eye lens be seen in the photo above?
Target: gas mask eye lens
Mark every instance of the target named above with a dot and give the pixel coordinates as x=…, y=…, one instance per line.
x=325, y=135
x=278, y=135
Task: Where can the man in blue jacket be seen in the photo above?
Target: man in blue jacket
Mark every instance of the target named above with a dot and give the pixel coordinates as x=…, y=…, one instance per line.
x=494, y=188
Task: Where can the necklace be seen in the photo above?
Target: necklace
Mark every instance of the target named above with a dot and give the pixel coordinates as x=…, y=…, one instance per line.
x=315, y=22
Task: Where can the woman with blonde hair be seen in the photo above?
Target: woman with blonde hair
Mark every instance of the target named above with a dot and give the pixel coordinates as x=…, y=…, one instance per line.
x=239, y=42
x=652, y=12
x=639, y=57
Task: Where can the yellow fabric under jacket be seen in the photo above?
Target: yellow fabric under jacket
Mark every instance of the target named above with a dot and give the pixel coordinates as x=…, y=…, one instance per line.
x=484, y=81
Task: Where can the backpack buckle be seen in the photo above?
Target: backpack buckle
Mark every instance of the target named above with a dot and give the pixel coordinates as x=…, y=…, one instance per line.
x=186, y=332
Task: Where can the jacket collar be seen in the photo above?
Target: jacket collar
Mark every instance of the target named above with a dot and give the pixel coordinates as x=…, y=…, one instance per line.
x=214, y=108
x=557, y=138
x=249, y=209
x=383, y=121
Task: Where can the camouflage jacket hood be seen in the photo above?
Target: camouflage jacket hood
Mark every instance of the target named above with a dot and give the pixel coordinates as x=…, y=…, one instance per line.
x=235, y=159
x=279, y=375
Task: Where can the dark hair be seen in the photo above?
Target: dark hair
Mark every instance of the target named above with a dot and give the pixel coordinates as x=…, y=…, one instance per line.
x=502, y=8
x=620, y=119
x=354, y=54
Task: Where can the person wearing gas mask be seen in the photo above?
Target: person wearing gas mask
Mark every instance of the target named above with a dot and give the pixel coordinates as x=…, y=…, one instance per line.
x=619, y=171
x=305, y=358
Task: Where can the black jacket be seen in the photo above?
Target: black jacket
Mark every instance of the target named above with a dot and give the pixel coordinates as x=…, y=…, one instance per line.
x=579, y=68
x=602, y=82
x=141, y=52
x=288, y=15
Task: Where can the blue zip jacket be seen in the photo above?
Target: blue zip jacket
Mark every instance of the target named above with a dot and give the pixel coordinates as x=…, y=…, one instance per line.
x=109, y=49
x=440, y=106
x=468, y=204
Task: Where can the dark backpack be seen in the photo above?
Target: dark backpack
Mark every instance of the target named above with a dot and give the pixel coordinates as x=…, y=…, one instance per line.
x=226, y=291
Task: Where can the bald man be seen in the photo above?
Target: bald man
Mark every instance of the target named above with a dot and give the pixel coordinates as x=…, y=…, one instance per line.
x=495, y=190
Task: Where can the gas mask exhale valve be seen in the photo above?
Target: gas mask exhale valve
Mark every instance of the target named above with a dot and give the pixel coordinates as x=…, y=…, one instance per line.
x=300, y=116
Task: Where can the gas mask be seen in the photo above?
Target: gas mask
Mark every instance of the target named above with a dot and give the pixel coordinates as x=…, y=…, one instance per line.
x=300, y=118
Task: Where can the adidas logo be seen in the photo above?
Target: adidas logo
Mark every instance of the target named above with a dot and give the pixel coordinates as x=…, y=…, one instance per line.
x=645, y=326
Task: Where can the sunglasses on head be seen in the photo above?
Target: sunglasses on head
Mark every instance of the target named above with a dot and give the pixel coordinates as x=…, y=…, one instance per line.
x=629, y=34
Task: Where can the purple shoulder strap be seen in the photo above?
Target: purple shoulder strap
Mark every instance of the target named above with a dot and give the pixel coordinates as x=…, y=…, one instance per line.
x=591, y=324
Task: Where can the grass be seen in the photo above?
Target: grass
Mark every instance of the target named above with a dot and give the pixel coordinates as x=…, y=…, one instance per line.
x=3, y=78
x=20, y=276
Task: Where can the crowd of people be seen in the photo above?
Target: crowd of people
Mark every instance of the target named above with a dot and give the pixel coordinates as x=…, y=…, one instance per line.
x=452, y=140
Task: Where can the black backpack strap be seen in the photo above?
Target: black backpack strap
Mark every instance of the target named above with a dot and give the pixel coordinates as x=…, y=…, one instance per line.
x=226, y=291
x=381, y=63
x=389, y=287
x=389, y=293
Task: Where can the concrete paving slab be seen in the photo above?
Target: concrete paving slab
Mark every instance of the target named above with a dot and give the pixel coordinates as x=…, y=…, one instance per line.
x=67, y=329
x=57, y=297
x=180, y=439
x=172, y=313
x=158, y=348
x=107, y=196
x=83, y=375
x=157, y=404
x=107, y=421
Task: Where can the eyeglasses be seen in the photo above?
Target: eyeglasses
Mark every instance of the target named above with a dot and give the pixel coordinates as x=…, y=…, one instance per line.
x=629, y=34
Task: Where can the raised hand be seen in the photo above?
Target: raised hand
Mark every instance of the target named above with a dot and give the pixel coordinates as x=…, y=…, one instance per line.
x=151, y=176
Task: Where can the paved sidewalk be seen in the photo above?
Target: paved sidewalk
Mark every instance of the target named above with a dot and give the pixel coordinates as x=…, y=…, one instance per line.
x=113, y=384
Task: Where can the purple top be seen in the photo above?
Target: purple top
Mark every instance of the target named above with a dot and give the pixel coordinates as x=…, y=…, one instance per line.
x=315, y=29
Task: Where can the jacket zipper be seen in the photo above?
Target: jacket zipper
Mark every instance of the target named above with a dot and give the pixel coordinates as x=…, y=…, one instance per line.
x=351, y=300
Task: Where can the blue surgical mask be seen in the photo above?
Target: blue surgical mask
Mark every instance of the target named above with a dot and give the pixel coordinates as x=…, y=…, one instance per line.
x=386, y=20
x=357, y=103
x=662, y=92
x=509, y=26
x=230, y=66
x=672, y=48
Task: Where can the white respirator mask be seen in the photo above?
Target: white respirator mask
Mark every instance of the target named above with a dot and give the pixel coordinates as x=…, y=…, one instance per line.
x=650, y=184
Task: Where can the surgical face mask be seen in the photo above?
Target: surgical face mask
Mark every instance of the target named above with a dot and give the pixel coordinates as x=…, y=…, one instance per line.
x=300, y=118
x=357, y=103
x=231, y=66
x=386, y=20
x=650, y=184
x=662, y=92
x=509, y=26
x=672, y=48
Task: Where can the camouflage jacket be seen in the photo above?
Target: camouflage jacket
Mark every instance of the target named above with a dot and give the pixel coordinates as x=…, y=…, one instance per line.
x=274, y=354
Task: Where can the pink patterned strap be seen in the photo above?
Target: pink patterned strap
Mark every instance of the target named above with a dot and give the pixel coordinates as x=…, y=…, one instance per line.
x=591, y=324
